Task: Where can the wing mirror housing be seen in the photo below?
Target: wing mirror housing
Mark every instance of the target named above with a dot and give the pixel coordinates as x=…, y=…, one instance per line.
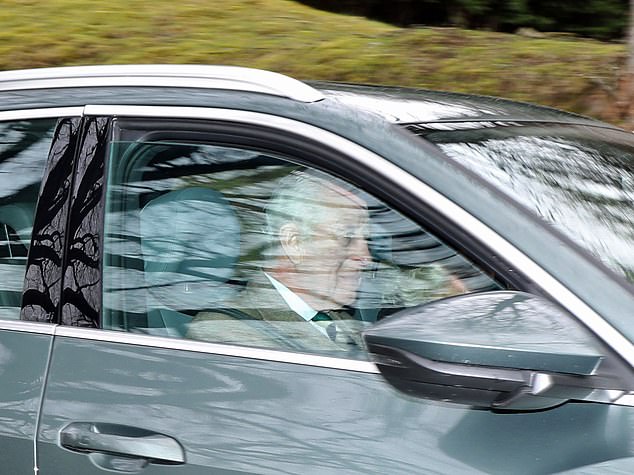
x=502, y=350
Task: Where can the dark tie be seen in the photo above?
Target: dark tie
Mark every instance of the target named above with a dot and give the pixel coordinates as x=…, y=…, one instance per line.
x=331, y=328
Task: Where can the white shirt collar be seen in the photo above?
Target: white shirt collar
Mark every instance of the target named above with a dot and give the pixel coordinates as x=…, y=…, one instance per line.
x=294, y=301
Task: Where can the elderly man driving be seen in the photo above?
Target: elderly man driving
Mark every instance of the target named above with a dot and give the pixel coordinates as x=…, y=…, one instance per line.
x=318, y=249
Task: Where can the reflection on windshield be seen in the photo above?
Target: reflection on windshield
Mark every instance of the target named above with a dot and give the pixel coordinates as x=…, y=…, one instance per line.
x=579, y=179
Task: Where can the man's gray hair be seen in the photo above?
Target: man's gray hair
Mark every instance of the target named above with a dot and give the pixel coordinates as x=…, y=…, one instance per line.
x=299, y=198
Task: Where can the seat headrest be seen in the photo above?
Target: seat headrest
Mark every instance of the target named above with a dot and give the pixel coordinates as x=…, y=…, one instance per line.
x=190, y=240
x=20, y=217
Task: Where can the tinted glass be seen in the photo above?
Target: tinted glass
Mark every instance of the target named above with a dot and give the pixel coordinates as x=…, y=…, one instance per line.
x=235, y=246
x=579, y=179
x=24, y=149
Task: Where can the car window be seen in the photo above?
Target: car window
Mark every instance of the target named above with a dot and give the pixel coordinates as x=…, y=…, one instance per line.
x=579, y=179
x=24, y=149
x=232, y=245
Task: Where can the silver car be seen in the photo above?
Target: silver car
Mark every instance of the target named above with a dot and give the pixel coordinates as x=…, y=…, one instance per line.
x=223, y=270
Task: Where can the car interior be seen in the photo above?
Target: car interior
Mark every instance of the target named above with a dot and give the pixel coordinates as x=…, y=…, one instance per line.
x=185, y=234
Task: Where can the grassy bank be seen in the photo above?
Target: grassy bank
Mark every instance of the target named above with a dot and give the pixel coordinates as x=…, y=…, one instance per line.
x=287, y=37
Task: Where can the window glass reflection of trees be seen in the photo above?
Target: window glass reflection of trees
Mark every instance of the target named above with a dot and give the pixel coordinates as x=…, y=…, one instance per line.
x=581, y=182
x=24, y=147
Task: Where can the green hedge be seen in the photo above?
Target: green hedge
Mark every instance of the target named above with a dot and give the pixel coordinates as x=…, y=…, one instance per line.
x=600, y=19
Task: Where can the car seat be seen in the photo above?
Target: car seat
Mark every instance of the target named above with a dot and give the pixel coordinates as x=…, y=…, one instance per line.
x=190, y=241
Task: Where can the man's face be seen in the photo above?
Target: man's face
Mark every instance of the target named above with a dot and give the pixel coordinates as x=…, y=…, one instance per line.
x=335, y=251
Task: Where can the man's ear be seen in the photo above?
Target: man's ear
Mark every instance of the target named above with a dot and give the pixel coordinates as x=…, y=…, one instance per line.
x=290, y=242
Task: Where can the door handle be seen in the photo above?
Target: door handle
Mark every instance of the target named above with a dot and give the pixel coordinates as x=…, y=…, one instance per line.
x=120, y=440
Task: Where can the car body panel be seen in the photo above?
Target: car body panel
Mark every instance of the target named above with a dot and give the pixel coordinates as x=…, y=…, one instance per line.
x=23, y=363
x=240, y=415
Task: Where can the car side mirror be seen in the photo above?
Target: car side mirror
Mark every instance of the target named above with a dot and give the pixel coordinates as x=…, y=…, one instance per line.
x=500, y=350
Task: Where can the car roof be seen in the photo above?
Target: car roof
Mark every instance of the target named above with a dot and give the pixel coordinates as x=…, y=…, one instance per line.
x=161, y=75
x=405, y=105
x=393, y=104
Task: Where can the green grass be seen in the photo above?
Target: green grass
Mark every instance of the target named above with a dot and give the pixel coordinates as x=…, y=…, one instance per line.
x=291, y=38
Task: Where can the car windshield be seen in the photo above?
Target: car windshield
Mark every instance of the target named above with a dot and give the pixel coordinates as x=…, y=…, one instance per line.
x=579, y=179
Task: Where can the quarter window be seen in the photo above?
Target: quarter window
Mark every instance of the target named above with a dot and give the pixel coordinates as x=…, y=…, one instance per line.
x=24, y=147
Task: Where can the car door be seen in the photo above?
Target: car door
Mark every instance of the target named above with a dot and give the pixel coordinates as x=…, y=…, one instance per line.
x=145, y=377
x=36, y=150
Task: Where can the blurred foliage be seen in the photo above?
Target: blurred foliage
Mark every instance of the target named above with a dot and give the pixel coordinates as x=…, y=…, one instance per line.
x=599, y=19
x=292, y=38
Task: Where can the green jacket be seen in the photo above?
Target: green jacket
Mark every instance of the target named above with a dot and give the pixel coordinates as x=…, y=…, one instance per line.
x=260, y=317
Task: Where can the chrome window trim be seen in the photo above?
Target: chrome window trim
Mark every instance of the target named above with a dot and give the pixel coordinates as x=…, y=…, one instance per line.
x=162, y=75
x=45, y=113
x=626, y=400
x=28, y=327
x=450, y=210
x=279, y=356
